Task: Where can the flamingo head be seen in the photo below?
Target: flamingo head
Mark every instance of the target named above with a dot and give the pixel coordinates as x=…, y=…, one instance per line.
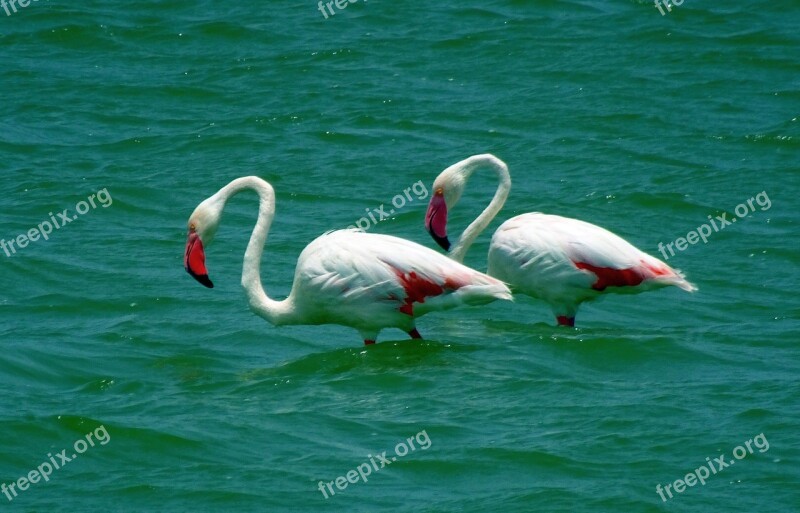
x=447, y=189
x=202, y=227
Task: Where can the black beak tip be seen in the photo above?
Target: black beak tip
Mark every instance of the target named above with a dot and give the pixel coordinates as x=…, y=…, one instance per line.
x=202, y=278
x=444, y=242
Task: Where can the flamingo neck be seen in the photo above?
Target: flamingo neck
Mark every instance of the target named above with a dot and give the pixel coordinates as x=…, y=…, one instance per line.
x=276, y=312
x=480, y=223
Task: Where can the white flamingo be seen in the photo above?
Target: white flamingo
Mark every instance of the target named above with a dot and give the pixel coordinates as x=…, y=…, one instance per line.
x=560, y=260
x=365, y=281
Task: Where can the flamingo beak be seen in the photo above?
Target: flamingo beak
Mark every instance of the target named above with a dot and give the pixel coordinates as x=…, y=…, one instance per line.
x=194, y=260
x=436, y=220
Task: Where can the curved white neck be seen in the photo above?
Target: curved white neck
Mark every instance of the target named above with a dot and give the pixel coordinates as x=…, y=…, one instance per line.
x=276, y=312
x=480, y=223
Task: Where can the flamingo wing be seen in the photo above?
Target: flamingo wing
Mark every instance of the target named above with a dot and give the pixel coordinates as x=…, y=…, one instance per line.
x=566, y=261
x=614, y=261
x=379, y=272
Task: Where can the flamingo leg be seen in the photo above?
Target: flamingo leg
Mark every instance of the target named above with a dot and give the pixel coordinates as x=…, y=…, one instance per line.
x=368, y=342
x=414, y=334
x=563, y=320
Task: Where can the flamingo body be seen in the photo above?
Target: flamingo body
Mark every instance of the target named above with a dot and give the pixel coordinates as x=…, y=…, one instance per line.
x=373, y=281
x=565, y=262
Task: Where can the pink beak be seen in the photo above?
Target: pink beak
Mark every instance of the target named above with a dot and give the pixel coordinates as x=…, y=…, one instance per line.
x=194, y=260
x=436, y=220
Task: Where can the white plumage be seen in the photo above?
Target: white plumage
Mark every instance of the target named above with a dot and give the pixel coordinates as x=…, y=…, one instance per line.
x=566, y=262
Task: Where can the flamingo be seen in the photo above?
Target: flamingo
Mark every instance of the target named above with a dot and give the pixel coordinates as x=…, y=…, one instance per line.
x=347, y=277
x=562, y=261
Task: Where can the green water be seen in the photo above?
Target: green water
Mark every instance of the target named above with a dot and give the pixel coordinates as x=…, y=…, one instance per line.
x=604, y=111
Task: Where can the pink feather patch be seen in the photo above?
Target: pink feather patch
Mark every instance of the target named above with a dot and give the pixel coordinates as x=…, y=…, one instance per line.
x=608, y=277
